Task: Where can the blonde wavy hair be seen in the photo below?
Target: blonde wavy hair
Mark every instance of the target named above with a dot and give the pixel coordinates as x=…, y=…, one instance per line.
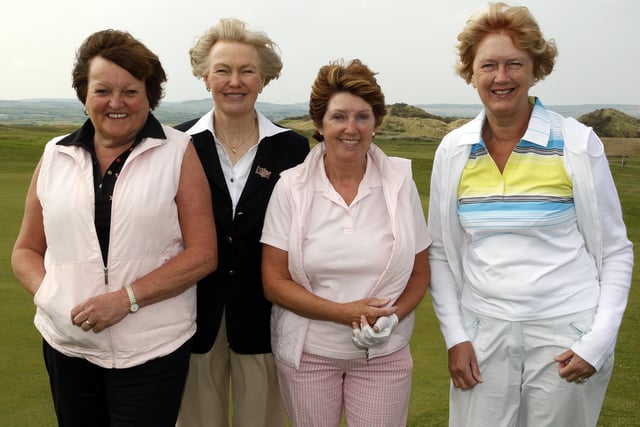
x=232, y=29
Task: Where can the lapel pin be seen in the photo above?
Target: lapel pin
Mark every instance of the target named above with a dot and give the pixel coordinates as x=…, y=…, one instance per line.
x=263, y=172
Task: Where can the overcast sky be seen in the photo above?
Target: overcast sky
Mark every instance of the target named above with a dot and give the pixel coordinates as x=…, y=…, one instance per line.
x=410, y=43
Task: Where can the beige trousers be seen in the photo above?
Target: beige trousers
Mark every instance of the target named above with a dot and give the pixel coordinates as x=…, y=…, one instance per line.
x=254, y=388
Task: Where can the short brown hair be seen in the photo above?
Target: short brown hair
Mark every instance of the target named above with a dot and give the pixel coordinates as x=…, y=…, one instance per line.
x=354, y=78
x=519, y=24
x=127, y=52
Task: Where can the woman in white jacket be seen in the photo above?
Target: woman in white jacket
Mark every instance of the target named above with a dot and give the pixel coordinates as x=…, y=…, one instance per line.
x=345, y=263
x=531, y=264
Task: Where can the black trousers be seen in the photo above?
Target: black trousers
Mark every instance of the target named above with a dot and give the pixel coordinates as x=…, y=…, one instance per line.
x=86, y=395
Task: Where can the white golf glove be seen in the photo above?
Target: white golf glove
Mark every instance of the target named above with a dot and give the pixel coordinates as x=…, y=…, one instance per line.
x=366, y=336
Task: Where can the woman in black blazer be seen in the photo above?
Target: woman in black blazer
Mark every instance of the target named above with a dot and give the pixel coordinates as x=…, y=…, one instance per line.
x=243, y=154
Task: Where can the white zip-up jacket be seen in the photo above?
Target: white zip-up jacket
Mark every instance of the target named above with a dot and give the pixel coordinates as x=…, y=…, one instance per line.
x=288, y=329
x=599, y=219
x=145, y=233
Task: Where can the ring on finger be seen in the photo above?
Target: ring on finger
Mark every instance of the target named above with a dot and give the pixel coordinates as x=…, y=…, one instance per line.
x=581, y=380
x=89, y=324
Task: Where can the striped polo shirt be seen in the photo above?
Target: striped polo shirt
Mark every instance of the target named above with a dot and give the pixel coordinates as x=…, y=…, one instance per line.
x=525, y=246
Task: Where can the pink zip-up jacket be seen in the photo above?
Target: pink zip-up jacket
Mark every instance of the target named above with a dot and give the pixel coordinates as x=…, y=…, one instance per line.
x=145, y=233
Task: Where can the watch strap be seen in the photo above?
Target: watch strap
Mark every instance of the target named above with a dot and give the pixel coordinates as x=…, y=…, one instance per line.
x=132, y=299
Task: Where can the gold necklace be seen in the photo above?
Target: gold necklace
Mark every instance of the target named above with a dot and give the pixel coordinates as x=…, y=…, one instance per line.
x=234, y=148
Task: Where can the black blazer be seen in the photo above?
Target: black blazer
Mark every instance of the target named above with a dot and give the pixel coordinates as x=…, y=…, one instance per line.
x=236, y=286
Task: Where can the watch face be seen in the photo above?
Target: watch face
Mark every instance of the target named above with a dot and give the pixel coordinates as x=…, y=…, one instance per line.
x=134, y=307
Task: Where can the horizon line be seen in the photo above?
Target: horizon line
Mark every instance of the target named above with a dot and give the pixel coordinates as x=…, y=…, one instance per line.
x=306, y=102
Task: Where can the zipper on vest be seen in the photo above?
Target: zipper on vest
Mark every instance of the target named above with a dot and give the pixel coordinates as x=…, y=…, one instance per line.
x=105, y=272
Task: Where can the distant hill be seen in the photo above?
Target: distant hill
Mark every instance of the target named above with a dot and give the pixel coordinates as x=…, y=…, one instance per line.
x=608, y=122
x=406, y=120
x=430, y=121
x=41, y=111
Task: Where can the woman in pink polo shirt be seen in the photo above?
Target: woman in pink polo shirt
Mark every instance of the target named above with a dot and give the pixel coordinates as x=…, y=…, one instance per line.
x=345, y=263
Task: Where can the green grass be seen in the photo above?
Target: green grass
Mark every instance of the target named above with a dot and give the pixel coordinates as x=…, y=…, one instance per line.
x=24, y=396
x=24, y=393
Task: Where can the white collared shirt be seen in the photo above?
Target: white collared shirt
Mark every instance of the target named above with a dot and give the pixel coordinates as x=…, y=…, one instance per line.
x=236, y=176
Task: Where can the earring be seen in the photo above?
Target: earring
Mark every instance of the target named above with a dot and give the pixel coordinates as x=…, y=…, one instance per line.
x=85, y=112
x=208, y=89
x=373, y=134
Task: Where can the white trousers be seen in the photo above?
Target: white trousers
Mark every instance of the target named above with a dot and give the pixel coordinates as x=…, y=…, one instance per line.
x=521, y=385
